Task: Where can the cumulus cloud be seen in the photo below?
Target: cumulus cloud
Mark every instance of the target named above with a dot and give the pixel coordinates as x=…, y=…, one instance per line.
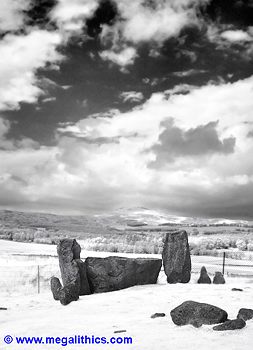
x=204, y=153
x=20, y=57
x=70, y=16
x=141, y=22
x=12, y=16
x=155, y=21
x=203, y=140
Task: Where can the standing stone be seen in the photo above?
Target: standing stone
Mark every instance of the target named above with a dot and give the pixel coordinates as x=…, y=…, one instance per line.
x=73, y=270
x=115, y=273
x=176, y=257
x=196, y=314
x=218, y=278
x=204, y=278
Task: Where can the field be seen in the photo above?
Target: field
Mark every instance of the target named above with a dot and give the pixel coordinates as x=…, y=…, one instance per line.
x=31, y=314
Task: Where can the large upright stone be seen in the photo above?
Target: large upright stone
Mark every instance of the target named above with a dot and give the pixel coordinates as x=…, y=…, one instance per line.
x=115, y=273
x=73, y=270
x=176, y=257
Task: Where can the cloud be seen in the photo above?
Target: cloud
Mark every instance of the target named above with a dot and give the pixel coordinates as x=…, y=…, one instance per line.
x=209, y=153
x=9, y=144
x=12, y=16
x=70, y=16
x=124, y=57
x=151, y=22
x=20, y=57
x=203, y=140
x=131, y=96
x=180, y=89
x=236, y=36
x=48, y=99
x=188, y=73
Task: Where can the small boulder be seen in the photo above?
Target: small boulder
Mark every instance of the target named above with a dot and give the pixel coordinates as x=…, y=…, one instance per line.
x=158, y=314
x=230, y=325
x=197, y=314
x=3, y=308
x=176, y=257
x=218, y=278
x=55, y=287
x=237, y=290
x=204, y=278
x=120, y=331
x=68, y=294
x=245, y=314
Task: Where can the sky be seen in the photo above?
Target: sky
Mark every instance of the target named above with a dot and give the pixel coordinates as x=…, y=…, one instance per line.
x=111, y=104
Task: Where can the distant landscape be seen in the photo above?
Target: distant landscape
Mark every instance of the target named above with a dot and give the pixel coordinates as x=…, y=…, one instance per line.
x=135, y=230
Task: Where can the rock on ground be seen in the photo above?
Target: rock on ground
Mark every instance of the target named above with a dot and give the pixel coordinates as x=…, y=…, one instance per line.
x=65, y=294
x=219, y=278
x=204, y=278
x=158, y=314
x=230, y=325
x=237, y=290
x=245, y=314
x=176, y=257
x=114, y=273
x=68, y=294
x=55, y=287
x=197, y=314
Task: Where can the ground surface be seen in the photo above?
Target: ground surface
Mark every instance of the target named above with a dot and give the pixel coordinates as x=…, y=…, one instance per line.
x=130, y=310
x=31, y=314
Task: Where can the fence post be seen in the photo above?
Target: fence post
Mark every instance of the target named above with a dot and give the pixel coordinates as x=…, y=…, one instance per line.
x=38, y=278
x=223, y=264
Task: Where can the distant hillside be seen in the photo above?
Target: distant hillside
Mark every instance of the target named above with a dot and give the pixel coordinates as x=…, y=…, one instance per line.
x=119, y=220
x=134, y=230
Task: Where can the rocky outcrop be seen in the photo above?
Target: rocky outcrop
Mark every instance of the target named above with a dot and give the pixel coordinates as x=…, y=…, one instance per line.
x=197, y=314
x=176, y=257
x=114, y=273
x=204, y=278
x=73, y=270
x=230, y=325
x=218, y=278
x=245, y=314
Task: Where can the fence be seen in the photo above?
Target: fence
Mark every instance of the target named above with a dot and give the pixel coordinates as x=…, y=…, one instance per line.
x=31, y=277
